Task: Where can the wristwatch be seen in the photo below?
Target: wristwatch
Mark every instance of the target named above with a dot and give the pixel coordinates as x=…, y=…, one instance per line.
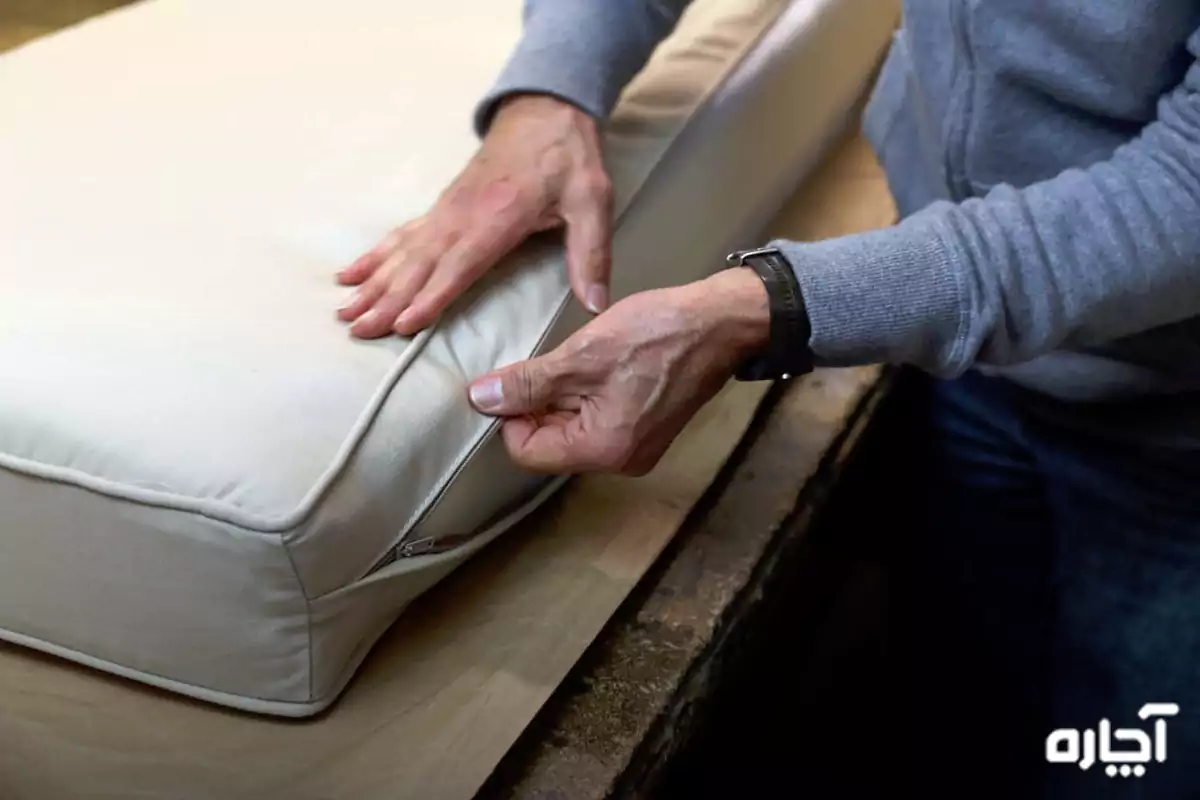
x=787, y=353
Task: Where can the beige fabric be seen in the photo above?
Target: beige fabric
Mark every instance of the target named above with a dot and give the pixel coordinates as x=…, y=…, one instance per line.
x=451, y=687
x=199, y=470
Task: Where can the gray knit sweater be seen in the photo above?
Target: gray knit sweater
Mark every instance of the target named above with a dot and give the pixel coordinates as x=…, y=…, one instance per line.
x=1045, y=155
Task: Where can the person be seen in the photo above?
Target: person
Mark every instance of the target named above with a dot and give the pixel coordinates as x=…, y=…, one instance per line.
x=1043, y=278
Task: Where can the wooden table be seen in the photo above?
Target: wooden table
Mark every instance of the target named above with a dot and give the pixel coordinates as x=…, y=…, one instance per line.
x=567, y=661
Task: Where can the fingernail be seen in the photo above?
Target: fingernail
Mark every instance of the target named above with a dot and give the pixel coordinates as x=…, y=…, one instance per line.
x=597, y=298
x=367, y=320
x=487, y=394
x=351, y=300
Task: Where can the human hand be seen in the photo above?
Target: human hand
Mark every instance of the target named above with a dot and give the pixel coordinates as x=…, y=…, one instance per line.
x=539, y=167
x=613, y=397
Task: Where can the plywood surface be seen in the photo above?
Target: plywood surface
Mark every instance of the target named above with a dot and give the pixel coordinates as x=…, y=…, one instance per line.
x=455, y=682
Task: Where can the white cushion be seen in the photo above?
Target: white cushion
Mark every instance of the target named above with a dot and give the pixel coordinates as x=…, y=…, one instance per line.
x=205, y=483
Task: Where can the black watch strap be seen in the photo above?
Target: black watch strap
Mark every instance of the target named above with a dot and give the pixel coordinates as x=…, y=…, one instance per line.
x=787, y=353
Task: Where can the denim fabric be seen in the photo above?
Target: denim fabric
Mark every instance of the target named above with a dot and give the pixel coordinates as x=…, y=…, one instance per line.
x=1056, y=582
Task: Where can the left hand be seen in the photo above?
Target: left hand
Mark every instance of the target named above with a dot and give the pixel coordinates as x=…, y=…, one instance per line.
x=539, y=167
x=613, y=397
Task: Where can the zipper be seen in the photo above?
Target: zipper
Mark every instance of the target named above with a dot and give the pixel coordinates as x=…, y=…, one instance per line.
x=959, y=111
x=426, y=546
x=432, y=545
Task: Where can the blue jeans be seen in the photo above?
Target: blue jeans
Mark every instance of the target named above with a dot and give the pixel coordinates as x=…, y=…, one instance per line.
x=1055, y=582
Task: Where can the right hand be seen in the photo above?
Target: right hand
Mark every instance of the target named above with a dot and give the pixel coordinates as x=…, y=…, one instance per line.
x=539, y=168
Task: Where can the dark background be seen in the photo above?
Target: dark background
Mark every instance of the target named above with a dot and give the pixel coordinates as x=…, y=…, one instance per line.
x=814, y=706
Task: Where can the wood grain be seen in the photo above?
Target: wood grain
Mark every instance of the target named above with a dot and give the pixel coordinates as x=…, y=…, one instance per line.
x=24, y=20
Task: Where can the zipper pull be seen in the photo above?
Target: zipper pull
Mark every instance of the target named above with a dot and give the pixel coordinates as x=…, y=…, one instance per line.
x=417, y=547
x=431, y=546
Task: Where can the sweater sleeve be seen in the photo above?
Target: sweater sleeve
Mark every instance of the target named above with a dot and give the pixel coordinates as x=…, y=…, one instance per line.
x=1088, y=256
x=582, y=51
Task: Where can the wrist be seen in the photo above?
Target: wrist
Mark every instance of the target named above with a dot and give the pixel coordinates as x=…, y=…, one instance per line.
x=521, y=107
x=733, y=305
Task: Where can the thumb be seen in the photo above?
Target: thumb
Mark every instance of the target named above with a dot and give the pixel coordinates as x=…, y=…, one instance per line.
x=589, y=248
x=522, y=388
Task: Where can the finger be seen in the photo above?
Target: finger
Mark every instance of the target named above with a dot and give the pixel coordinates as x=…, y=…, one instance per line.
x=406, y=276
x=470, y=257
x=366, y=265
x=358, y=303
x=527, y=387
x=361, y=269
x=541, y=447
x=405, y=281
x=589, y=242
x=564, y=444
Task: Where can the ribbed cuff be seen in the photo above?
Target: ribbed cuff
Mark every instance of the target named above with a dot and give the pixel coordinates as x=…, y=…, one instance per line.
x=887, y=296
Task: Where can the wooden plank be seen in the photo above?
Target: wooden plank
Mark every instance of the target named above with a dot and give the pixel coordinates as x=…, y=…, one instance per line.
x=453, y=684
x=24, y=20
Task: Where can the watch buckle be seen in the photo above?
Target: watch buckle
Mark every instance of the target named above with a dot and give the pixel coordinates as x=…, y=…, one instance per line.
x=738, y=257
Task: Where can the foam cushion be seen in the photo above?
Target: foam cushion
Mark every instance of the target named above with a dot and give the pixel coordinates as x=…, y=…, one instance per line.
x=205, y=483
